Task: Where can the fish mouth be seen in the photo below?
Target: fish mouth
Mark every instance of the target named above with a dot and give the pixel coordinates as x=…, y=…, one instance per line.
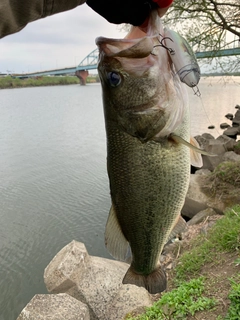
x=138, y=43
x=126, y=48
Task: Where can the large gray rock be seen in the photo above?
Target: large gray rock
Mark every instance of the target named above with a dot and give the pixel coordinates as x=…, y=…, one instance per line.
x=202, y=141
x=208, y=136
x=191, y=207
x=201, y=216
x=237, y=114
x=232, y=132
x=236, y=119
x=92, y=280
x=236, y=122
x=224, y=125
x=194, y=190
x=229, y=116
x=54, y=307
x=128, y=298
x=214, y=147
x=231, y=156
x=196, y=195
x=227, y=142
x=102, y=284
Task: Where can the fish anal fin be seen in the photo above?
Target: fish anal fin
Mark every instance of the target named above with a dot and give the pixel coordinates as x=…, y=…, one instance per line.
x=115, y=241
x=155, y=282
x=178, y=227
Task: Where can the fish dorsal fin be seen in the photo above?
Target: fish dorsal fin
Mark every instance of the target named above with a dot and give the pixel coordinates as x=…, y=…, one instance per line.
x=115, y=241
x=178, y=227
x=196, y=159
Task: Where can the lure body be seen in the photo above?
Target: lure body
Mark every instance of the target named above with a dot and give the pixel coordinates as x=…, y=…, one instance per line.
x=183, y=58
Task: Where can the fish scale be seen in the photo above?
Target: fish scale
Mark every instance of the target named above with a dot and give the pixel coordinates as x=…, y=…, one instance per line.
x=147, y=191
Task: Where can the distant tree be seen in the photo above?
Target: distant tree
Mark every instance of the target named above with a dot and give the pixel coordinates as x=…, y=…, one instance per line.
x=207, y=24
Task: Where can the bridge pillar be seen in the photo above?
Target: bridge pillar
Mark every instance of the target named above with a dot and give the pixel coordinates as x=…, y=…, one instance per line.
x=82, y=75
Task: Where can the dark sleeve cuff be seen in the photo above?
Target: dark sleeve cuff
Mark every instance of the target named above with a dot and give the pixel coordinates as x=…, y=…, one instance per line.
x=163, y=3
x=134, y=12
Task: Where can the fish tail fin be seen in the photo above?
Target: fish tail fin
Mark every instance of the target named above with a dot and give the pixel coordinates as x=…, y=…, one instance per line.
x=154, y=282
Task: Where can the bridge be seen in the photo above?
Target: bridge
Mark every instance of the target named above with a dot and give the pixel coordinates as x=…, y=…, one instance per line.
x=81, y=70
x=90, y=63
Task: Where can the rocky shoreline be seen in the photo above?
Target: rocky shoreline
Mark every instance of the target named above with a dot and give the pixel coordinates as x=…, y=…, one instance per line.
x=86, y=287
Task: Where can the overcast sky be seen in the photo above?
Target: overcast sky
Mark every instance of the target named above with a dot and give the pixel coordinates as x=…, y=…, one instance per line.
x=57, y=41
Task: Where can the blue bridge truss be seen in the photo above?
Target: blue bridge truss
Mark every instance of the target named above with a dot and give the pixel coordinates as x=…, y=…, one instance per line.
x=91, y=60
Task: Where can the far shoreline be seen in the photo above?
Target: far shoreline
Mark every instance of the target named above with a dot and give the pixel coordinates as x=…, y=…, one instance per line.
x=10, y=82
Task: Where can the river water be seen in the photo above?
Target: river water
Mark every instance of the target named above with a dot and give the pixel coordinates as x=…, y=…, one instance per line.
x=53, y=180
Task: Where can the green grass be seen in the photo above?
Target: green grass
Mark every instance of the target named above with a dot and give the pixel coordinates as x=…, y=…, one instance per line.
x=224, y=236
x=187, y=299
x=236, y=148
x=234, y=297
x=228, y=172
x=9, y=82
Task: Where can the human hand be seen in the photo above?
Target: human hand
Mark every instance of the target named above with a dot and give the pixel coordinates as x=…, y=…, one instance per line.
x=163, y=6
x=162, y=11
x=134, y=12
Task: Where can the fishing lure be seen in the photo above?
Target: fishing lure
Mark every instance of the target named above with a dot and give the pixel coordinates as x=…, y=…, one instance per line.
x=183, y=58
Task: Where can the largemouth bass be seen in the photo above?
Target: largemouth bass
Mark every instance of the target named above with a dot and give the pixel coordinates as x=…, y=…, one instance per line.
x=147, y=119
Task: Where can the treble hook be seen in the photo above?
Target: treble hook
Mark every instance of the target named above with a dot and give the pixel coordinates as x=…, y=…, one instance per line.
x=197, y=91
x=170, y=50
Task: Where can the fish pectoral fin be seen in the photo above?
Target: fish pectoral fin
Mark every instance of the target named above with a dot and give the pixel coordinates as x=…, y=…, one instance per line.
x=195, y=156
x=178, y=227
x=192, y=145
x=115, y=240
x=154, y=282
x=196, y=160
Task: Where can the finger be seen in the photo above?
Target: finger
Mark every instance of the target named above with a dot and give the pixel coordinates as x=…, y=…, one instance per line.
x=162, y=11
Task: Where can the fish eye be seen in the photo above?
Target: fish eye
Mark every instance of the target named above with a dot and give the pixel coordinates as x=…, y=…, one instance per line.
x=114, y=78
